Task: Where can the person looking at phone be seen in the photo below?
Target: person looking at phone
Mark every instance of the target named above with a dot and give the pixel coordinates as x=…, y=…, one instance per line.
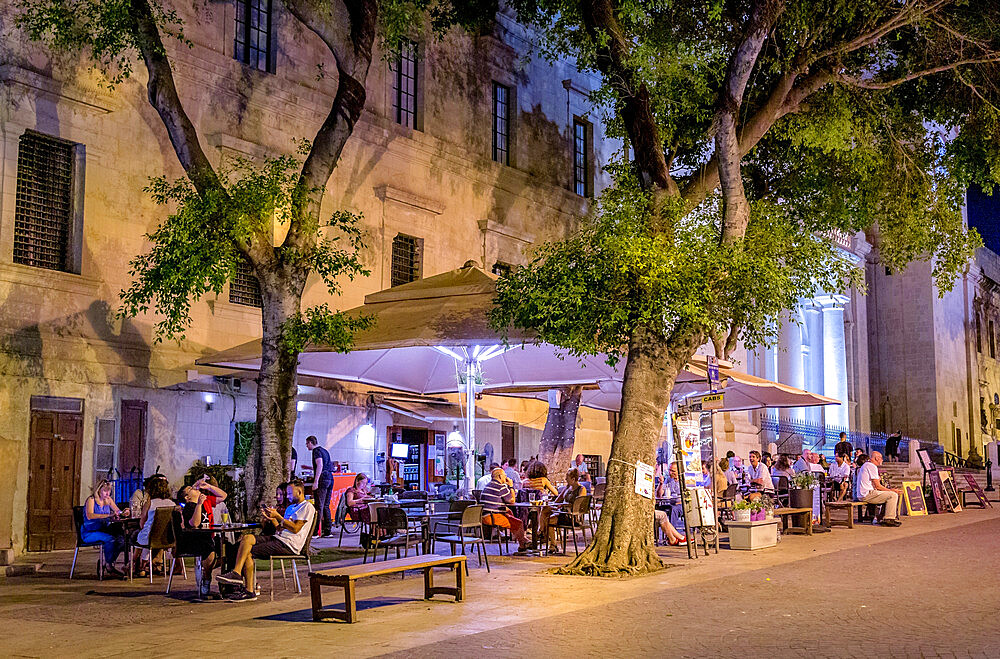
x=293, y=529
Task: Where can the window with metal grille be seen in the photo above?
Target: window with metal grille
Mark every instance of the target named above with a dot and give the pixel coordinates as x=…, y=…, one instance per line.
x=43, y=208
x=581, y=166
x=501, y=123
x=244, y=288
x=501, y=269
x=405, y=260
x=404, y=85
x=253, y=34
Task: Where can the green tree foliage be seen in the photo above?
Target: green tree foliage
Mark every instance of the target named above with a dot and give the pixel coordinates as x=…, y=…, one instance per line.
x=757, y=131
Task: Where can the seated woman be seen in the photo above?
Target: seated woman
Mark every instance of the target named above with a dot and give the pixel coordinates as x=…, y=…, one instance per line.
x=570, y=493
x=98, y=511
x=158, y=492
x=267, y=525
x=357, y=498
x=538, y=479
x=662, y=519
x=195, y=515
x=783, y=467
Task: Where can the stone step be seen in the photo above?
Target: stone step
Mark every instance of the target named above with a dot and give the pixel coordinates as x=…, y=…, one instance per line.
x=20, y=569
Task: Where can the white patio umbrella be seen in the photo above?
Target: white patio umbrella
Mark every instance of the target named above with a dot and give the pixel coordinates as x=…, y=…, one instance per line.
x=432, y=336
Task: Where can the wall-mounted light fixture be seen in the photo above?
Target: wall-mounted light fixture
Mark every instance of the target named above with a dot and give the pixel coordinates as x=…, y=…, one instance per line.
x=299, y=406
x=455, y=439
x=366, y=436
x=209, y=399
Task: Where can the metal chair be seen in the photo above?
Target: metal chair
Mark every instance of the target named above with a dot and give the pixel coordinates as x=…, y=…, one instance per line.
x=502, y=532
x=78, y=526
x=161, y=538
x=472, y=522
x=781, y=490
x=393, y=530
x=304, y=554
x=577, y=510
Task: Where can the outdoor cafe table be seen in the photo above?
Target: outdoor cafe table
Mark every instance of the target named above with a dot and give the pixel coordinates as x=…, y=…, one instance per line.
x=218, y=530
x=123, y=526
x=533, y=511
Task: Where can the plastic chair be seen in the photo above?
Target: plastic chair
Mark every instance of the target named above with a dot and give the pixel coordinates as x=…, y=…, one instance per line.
x=577, y=510
x=161, y=538
x=471, y=522
x=502, y=532
x=78, y=526
x=177, y=524
x=304, y=554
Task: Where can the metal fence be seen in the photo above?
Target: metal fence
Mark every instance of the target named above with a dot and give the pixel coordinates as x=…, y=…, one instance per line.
x=125, y=485
x=792, y=436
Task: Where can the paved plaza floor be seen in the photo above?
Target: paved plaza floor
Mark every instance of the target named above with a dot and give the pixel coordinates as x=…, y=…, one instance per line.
x=927, y=589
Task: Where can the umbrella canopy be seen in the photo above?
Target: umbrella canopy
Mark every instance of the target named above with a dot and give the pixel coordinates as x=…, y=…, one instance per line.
x=424, y=333
x=741, y=392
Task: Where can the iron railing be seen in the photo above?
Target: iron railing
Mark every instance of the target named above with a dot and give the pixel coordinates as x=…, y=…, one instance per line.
x=822, y=438
x=125, y=486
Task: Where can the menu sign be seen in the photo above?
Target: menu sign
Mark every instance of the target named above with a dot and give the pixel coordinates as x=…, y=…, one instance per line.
x=913, y=497
x=978, y=491
x=689, y=450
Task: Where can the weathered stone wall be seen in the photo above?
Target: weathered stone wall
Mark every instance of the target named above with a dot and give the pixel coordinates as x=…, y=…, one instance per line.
x=59, y=334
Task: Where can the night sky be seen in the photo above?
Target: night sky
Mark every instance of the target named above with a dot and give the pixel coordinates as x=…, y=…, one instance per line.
x=984, y=215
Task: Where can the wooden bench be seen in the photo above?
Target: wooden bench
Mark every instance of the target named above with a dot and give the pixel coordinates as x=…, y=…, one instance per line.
x=848, y=506
x=804, y=514
x=345, y=577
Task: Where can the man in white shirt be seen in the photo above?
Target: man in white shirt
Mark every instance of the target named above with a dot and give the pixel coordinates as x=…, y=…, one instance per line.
x=293, y=530
x=871, y=490
x=757, y=472
x=485, y=479
x=579, y=464
x=840, y=475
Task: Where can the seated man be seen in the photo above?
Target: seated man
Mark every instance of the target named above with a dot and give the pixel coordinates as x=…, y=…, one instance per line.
x=293, y=529
x=497, y=492
x=510, y=468
x=871, y=490
x=840, y=477
x=757, y=473
x=485, y=479
x=802, y=464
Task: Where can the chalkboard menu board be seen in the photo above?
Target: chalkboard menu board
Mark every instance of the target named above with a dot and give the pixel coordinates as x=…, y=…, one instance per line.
x=978, y=491
x=913, y=497
x=942, y=504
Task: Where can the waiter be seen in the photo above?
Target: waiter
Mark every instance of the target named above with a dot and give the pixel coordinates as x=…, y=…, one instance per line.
x=322, y=484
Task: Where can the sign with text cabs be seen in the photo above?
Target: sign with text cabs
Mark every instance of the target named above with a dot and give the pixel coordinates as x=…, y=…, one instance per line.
x=711, y=401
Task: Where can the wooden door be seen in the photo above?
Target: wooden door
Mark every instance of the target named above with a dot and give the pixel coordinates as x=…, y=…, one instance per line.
x=55, y=445
x=132, y=441
x=508, y=435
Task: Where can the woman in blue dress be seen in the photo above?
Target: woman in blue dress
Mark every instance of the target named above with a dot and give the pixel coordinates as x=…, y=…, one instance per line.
x=99, y=510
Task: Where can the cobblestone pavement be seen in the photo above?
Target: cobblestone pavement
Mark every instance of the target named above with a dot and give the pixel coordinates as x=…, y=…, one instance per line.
x=926, y=589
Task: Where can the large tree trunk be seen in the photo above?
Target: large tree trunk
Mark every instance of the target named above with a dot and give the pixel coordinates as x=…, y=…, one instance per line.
x=277, y=385
x=555, y=449
x=624, y=542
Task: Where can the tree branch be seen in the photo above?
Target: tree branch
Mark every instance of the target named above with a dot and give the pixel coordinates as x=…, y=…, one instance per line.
x=604, y=29
x=735, y=207
x=888, y=84
x=348, y=29
x=163, y=97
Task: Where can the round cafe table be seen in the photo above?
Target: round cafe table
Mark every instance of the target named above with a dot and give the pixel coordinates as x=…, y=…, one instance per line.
x=533, y=510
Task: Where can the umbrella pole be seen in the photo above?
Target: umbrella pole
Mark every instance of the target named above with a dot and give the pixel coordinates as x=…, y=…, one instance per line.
x=470, y=424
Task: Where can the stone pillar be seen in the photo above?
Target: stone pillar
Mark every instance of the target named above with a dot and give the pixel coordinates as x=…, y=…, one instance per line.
x=913, y=470
x=772, y=448
x=790, y=361
x=992, y=453
x=814, y=378
x=834, y=358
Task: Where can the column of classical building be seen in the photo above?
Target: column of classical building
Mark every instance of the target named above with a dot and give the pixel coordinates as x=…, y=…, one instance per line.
x=790, y=359
x=834, y=358
x=813, y=376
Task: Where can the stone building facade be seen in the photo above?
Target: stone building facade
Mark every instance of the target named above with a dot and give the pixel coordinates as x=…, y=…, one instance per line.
x=466, y=150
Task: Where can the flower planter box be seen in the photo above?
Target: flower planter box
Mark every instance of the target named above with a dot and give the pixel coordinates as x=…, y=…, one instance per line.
x=748, y=536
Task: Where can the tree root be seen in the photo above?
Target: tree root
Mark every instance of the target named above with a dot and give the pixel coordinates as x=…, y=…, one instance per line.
x=617, y=564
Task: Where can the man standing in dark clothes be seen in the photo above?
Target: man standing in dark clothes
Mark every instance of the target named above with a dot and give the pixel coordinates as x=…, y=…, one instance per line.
x=843, y=447
x=322, y=484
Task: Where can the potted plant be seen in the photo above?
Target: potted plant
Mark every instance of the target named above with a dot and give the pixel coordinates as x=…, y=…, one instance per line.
x=741, y=510
x=768, y=505
x=800, y=493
